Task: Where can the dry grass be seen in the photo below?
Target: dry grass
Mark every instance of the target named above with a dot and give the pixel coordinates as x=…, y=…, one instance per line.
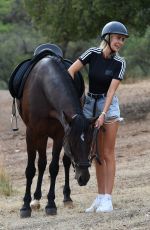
x=131, y=195
x=5, y=183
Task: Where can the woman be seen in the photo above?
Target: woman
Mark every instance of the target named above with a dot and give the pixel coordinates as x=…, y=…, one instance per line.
x=106, y=70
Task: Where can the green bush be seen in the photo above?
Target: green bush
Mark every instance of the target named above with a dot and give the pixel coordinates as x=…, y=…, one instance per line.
x=16, y=46
x=136, y=52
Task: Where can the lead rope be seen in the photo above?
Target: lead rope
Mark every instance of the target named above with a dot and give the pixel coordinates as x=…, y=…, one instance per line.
x=94, y=153
x=14, y=124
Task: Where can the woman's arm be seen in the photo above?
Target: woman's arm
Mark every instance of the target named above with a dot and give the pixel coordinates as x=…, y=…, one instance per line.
x=75, y=67
x=111, y=91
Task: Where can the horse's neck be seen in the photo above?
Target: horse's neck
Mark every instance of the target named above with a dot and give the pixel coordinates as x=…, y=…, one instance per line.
x=64, y=92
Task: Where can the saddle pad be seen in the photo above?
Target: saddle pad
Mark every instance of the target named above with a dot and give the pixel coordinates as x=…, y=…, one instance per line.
x=16, y=77
x=21, y=72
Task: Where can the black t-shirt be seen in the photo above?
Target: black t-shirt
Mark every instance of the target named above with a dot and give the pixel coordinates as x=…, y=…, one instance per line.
x=102, y=70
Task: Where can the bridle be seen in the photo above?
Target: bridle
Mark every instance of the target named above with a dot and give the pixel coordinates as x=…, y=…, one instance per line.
x=80, y=164
x=94, y=151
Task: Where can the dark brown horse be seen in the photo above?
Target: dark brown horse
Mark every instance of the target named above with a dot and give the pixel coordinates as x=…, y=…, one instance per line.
x=50, y=107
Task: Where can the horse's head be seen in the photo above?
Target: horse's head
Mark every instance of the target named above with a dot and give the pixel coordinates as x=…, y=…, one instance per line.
x=77, y=145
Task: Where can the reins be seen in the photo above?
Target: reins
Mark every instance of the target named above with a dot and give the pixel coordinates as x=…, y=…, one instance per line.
x=94, y=151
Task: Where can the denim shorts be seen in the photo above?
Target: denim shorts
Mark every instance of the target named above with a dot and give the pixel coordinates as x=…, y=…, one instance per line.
x=112, y=113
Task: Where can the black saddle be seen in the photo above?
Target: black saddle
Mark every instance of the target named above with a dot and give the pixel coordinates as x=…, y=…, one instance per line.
x=54, y=49
x=21, y=72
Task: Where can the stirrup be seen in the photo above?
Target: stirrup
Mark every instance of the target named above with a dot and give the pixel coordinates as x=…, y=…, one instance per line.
x=14, y=124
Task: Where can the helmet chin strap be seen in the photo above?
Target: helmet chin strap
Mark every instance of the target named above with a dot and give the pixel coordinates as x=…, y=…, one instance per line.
x=108, y=42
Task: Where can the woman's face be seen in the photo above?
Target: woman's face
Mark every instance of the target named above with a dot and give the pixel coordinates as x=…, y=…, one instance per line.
x=117, y=41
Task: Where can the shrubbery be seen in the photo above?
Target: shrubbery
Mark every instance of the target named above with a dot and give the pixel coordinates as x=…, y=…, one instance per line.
x=18, y=39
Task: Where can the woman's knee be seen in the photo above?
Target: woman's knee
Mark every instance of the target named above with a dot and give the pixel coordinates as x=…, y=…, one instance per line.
x=109, y=155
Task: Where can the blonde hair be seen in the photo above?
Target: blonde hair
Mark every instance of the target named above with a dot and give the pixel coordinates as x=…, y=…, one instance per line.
x=103, y=43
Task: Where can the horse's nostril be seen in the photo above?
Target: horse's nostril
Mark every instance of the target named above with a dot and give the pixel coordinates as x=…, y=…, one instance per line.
x=82, y=181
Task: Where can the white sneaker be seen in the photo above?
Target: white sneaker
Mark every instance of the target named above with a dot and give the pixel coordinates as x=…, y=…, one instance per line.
x=95, y=204
x=105, y=205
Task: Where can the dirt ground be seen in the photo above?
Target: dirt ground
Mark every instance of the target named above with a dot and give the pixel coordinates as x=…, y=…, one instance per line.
x=131, y=196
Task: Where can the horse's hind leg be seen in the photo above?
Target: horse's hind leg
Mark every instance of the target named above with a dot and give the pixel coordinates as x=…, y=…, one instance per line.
x=41, y=145
x=51, y=208
x=66, y=190
x=25, y=211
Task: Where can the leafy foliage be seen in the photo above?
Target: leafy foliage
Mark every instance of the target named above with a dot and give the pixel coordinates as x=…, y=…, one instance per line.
x=74, y=25
x=138, y=57
x=5, y=7
x=72, y=20
x=17, y=38
x=13, y=51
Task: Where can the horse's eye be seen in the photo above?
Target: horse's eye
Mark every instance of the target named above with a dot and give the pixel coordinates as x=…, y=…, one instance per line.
x=82, y=136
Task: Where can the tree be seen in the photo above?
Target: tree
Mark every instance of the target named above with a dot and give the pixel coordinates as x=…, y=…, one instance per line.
x=13, y=51
x=72, y=20
x=137, y=55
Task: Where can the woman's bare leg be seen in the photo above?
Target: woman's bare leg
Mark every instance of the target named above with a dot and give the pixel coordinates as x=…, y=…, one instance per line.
x=105, y=173
x=109, y=155
x=100, y=169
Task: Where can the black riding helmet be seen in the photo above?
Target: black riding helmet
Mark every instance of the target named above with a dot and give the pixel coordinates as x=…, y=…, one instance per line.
x=114, y=27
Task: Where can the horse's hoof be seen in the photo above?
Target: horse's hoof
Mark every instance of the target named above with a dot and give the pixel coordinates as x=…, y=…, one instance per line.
x=67, y=199
x=25, y=213
x=50, y=211
x=35, y=204
x=68, y=203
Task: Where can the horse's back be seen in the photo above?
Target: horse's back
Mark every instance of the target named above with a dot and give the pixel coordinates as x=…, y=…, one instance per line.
x=48, y=91
x=51, y=82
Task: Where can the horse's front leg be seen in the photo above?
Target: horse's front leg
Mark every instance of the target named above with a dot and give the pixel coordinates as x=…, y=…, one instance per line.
x=66, y=190
x=42, y=161
x=25, y=211
x=51, y=208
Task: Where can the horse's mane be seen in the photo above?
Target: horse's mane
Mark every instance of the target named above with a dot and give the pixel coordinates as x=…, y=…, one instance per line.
x=65, y=83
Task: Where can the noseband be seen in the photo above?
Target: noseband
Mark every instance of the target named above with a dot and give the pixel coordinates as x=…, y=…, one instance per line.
x=83, y=164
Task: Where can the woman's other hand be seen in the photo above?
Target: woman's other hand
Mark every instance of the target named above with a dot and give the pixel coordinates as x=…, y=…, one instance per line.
x=100, y=121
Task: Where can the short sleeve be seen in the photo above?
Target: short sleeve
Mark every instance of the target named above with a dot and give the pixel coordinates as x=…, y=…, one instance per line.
x=120, y=68
x=85, y=57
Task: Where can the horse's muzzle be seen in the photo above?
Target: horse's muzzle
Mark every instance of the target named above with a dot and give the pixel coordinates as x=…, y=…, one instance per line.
x=82, y=175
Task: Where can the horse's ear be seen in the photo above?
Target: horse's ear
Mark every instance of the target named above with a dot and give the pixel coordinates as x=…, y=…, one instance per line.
x=65, y=121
